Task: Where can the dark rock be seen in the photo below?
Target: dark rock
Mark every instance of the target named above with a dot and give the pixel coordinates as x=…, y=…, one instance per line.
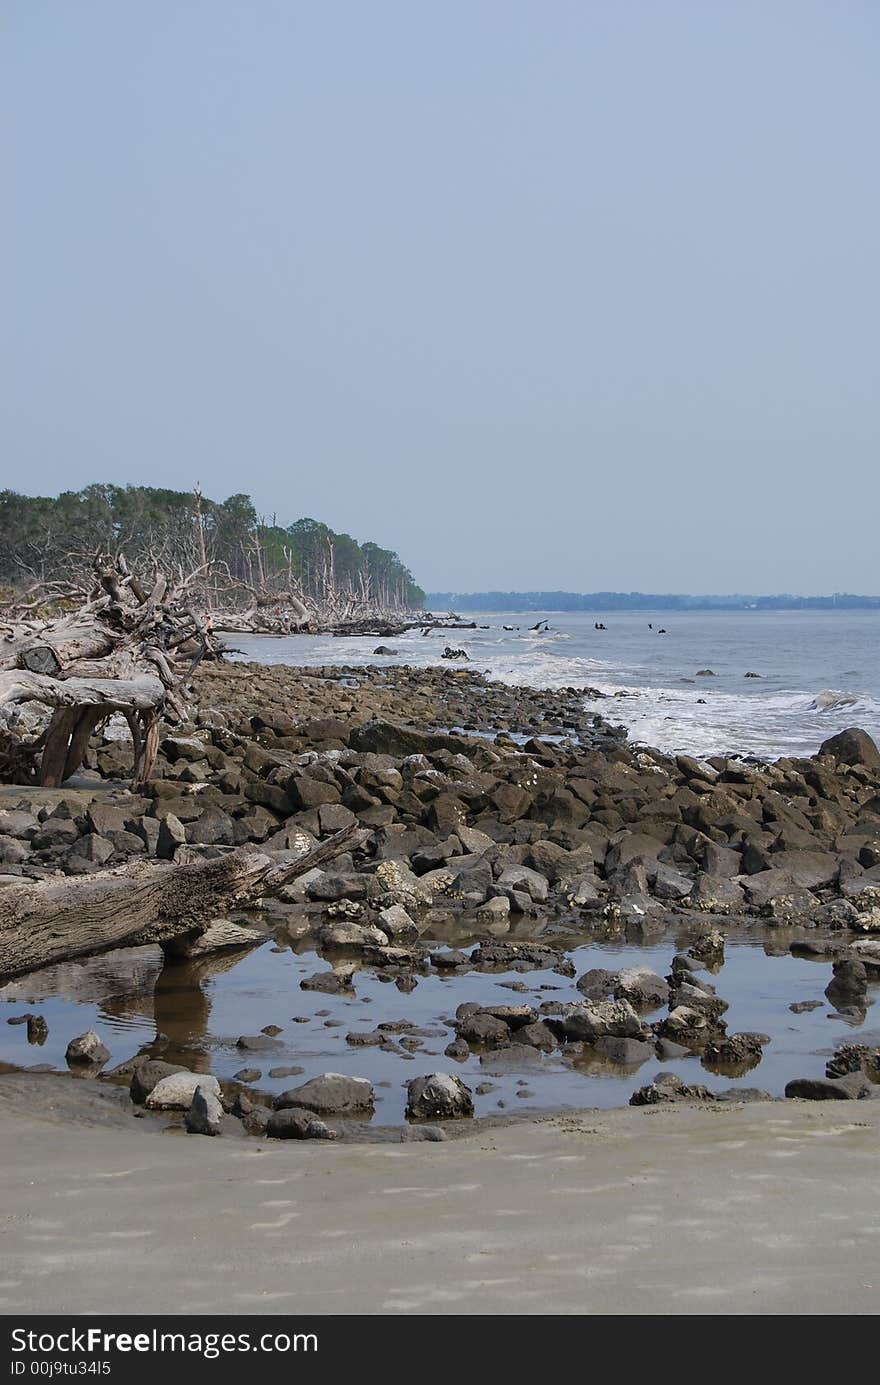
x=205, y=1115
x=667, y=1088
x=330, y=1094
x=626, y=1052
x=297, y=1123
x=852, y=747
x=87, y=1050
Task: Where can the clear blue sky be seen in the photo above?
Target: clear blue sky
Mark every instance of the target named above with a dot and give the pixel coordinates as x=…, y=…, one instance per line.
x=548, y=294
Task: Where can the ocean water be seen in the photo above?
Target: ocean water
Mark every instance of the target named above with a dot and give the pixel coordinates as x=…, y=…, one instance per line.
x=819, y=671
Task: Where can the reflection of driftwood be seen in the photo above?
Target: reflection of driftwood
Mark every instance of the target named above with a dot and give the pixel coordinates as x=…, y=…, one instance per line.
x=221, y=935
x=52, y=921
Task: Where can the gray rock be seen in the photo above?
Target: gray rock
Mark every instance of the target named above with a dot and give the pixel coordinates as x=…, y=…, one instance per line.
x=87, y=1050
x=527, y=881
x=332, y=1094
x=172, y=834
x=438, y=1096
x=626, y=1052
x=667, y=1088
x=175, y=1093
x=596, y=1019
x=258, y=1043
x=853, y=1087
x=205, y=1115
x=396, y=923
x=297, y=1123
x=146, y=1074
x=641, y=987
x=597, y=984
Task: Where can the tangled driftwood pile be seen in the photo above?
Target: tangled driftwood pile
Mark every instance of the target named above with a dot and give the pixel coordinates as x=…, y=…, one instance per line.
x=123, y=648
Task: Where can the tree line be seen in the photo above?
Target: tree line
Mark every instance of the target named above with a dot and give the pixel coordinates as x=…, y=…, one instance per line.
x=642, y=601
x=238, y=555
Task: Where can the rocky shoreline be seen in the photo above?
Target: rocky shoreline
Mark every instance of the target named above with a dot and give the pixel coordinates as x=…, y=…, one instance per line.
x=521, y=812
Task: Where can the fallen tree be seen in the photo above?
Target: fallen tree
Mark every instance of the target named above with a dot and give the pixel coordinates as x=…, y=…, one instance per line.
x=147, y=902
x=125, y=648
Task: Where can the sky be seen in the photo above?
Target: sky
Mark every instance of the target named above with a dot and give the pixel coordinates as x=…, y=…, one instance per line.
x=541, y=295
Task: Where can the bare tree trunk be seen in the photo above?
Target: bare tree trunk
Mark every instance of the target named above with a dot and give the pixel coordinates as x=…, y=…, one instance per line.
x=57, y=920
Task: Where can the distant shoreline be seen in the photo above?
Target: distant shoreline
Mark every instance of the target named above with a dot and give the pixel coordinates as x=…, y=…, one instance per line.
x=642, y=601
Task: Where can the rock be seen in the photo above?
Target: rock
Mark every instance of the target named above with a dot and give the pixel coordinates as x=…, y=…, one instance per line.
x=708, y=948
x=329, y=982
x=852, y=747
x=397, y=924
x=670, y=883
x=528, y=881
x=626, y=1052
x=346, y=934
x=258, y=1043
x=446, y=959
x=388, y=738
x=686, y=1025
x=331, y=1094
x=596, y=1019
x=415, y=1133
x=247, y=1075
x=87, y=1050
x=146, y=1074
x=850, y=1088
x=739, y=1052
x=297, y=1123
x=205, y=1115
x=667, y=1088
x=38, y=1030
x=438, y=1096
x=855, y=1058
x=641, y=987
x=849, y=984
x=172, y=834
x=717, y=896
x=521, y=956
x=597, y=984
x=538, y=1035
x=482, y=1028
x=176, y=1092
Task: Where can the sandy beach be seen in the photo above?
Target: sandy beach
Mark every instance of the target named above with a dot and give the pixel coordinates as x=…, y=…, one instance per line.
x=761, y=1209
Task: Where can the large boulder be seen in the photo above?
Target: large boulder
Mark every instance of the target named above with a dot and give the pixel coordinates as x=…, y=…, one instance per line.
x=331, y=1094
x=852, y=747
x=175, y=1093
x=438, y=1096
x=389, y=738
x=853, y=1087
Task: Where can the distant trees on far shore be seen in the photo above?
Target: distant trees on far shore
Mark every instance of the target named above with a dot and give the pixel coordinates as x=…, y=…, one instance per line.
x=641, y=601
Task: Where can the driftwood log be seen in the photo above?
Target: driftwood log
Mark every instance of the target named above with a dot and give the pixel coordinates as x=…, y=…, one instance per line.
x=128, y=648
x=55, y=921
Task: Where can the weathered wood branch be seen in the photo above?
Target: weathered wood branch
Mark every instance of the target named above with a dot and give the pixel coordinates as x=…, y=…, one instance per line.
x=146, y=902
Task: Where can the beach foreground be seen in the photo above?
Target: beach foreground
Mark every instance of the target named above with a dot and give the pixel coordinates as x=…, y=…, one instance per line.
x=762, y=1209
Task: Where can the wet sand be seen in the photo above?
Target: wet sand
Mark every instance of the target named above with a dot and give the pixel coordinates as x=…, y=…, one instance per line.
x=761, y=1209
